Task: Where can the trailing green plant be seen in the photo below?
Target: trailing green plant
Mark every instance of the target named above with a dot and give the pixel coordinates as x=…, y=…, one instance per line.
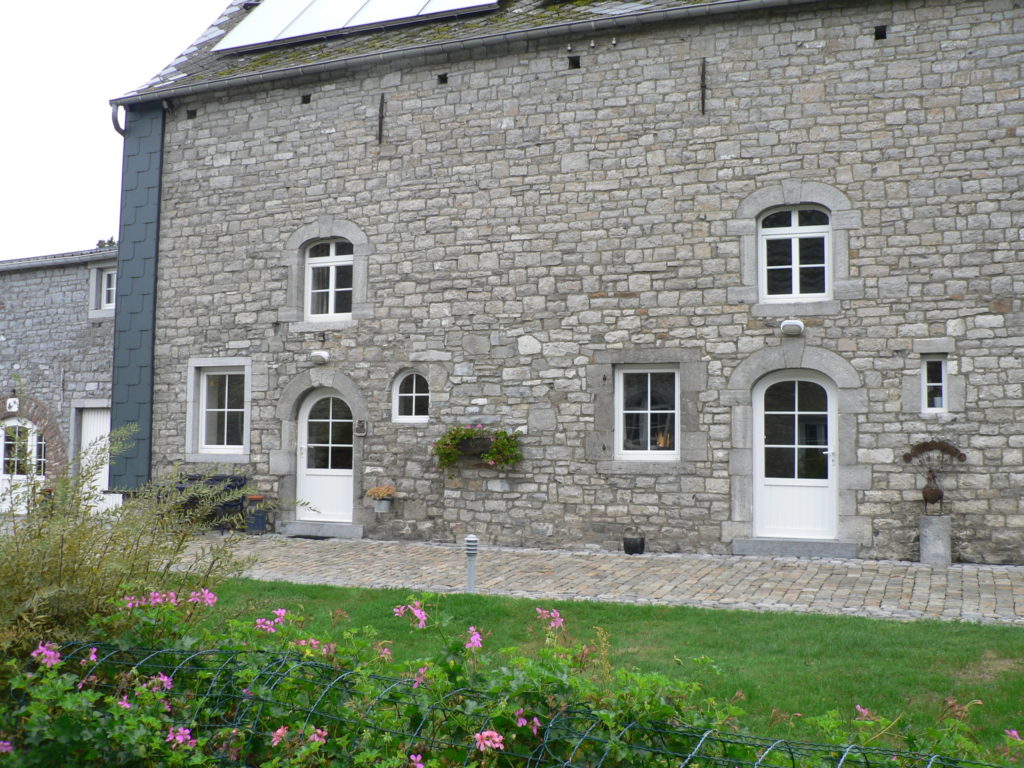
x=66, y=555
x=504, y=449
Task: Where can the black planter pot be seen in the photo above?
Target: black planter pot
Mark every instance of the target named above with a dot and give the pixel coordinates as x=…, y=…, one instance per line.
x=633, y=545
x=474, y=446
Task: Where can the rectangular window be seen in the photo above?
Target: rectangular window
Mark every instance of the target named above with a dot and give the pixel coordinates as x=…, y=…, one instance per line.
x=223, y=410
x=647, y=413
x=218, y=409
x=933, y=384
x=108, y=288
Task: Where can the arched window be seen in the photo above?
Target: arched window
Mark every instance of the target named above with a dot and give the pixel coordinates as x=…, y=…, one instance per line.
x=329, y=280
x=23, y=451
x=794, y=254
x=410, y=400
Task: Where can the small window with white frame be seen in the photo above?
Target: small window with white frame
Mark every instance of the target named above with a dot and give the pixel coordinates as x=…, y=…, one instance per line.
x=329, y=289
x=410, y=400
x=107, y=287
x=102, y=291
x=222, y=412
x=647, y=413
x=794, y=254
x=934, y=384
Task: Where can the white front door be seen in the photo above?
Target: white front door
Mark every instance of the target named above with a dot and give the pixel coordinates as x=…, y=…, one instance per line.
x=794, y=456
x=95, y=426
x=22, y=457
x=324, y=467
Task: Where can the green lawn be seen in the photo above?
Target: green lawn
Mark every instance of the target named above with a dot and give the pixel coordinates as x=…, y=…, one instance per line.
x=787, y=662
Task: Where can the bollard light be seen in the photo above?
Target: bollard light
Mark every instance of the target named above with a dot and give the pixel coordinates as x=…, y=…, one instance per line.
x=472, y=543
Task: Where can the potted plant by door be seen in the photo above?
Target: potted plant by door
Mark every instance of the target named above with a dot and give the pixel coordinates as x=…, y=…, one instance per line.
x=382, y=496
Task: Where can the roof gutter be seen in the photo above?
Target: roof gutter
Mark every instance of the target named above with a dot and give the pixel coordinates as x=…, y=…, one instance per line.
x=624, y=21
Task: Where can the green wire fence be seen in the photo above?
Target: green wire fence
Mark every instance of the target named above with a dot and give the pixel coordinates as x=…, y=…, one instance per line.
x=254, y=692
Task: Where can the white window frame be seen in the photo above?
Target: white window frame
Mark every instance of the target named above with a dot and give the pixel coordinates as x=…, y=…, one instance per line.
x=942, y=384
x=645, y=455
x=396, y=397
x=199, y=370
x=35, y=446
x=793, y=233
x=331, y=262
x=102, y=291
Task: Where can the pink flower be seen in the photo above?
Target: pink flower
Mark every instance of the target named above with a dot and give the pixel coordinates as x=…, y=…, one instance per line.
x=204, y=596
x=415, y=761
x=6, y=746
x=265, y=625
x=520, y=720
x=92, y=654
x=280, y=614
x=279, y=735
x=161, y=683
x=553, y=615
x=420, y=677
x=1012, y=733
x=475, y=641
x=47, y=654
x=180, y=737
x=318, y=735
x=131, y=601
x=863, y=713
x=534, y=726
x=383, y=653
x=124, y=703
x=400, y=611
x=417, y=611
x=489, y=740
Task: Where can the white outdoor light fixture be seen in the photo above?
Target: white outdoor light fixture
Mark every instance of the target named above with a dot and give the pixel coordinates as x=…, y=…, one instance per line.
x=319, y=356
x=792, y=327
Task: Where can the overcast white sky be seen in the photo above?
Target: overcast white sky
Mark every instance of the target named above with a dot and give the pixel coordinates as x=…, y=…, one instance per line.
x=61, y=61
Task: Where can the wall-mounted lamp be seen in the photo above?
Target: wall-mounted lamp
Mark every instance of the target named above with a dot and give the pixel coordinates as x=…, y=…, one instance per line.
x=792, y=327
x=319, y=356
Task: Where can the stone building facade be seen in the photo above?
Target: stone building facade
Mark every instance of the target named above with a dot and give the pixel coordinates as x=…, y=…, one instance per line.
x=720, y=264
x=56, y=333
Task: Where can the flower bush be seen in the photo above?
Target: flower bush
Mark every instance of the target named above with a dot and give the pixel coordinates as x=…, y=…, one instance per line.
x=379, y=492
x=261, y=691
x=504, y=450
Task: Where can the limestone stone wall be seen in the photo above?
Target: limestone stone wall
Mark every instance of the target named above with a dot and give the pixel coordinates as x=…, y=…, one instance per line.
x=526, y=227
x=54, y=353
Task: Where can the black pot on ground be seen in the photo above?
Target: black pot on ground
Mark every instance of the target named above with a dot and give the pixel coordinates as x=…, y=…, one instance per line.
x=633, y=545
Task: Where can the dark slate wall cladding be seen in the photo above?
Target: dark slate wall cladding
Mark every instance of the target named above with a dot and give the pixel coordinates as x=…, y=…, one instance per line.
x=136, y=290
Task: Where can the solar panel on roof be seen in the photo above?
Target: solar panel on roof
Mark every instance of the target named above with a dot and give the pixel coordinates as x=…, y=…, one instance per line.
x=274, y=21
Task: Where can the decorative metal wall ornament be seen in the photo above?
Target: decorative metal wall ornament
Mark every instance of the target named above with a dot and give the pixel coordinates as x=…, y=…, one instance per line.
x=932, y=456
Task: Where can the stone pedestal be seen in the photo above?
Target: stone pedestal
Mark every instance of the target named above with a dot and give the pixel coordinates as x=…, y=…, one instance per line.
x=936, y=549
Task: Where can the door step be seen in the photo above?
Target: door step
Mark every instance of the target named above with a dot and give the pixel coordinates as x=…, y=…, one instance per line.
x=795, y=548
x=320, y=530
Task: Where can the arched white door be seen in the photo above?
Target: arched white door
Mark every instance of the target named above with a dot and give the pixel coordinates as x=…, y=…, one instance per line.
x=324, y=466
x=22, y=455
x=795, y=456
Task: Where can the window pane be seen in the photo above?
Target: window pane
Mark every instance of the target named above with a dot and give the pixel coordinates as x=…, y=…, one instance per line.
x=341, y=433
x=234, y=425
x=216, y=391
x=933, y=371
x=320, y=250
x=321, y=409
x=340, y=410
x=408, y=385
x=343, y=302
x=663, y=391
x=634, y=432
x=634, y=394
x=812, y=218
x=321, y=278
x=422, y=405
x=934, y=396
x=318, y=432
x=214, y=428
x=777, y=219
x=343, y=276
x=812, y=250
x=813, y=430
x=780, y=282
x=812, y=397
x=778, y=462
x=779, y=253
x=812, y=464
x=236, y=391
x=317, y=457
x=342, y=247
x=778, y=429
x=781, y=397
x=405, y=405
x=663, y=432
x=812, y=280
x=341, y=458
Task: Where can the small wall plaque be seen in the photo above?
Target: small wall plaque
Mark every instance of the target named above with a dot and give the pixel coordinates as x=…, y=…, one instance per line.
x=13, y=404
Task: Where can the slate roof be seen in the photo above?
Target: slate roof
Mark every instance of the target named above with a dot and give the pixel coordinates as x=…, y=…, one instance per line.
x=200, y=68
x=59, y=259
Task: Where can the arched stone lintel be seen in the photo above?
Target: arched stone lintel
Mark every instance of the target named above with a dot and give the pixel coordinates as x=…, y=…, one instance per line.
x=790, y=355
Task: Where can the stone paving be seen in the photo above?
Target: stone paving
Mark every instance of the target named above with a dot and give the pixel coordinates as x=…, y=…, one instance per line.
x=883, y=589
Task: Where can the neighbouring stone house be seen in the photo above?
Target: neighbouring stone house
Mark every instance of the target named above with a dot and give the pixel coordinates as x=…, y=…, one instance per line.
x=56, y=334
x=721, y=264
